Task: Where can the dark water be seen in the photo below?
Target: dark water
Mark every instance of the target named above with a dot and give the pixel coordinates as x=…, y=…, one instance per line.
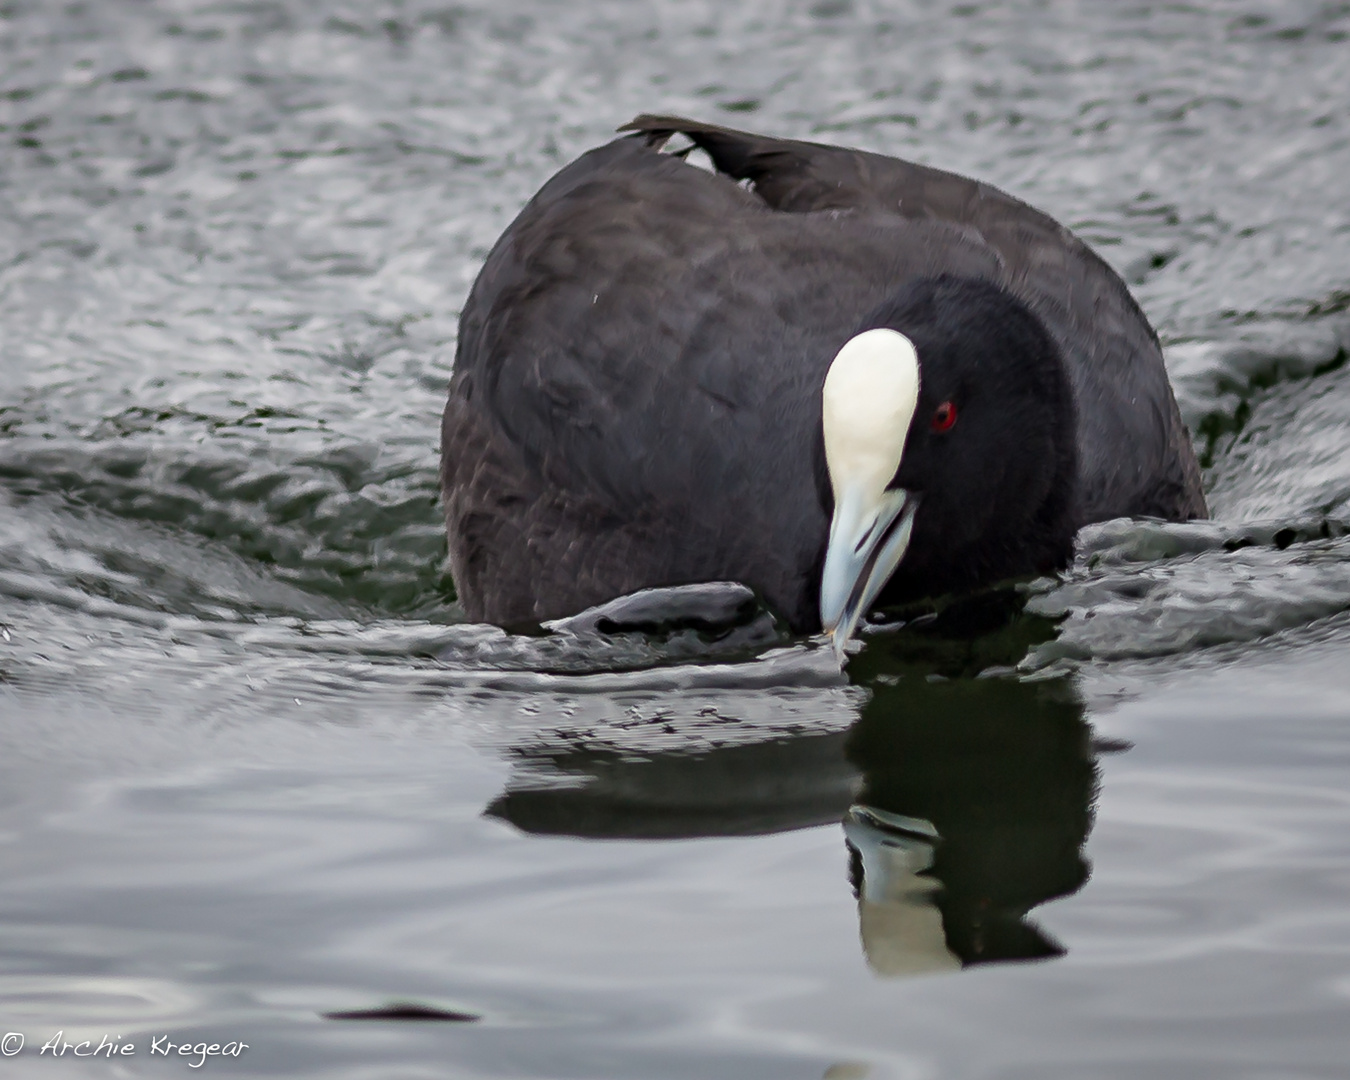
x=254, y=769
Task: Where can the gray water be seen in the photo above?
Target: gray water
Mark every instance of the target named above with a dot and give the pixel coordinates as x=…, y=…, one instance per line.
x=255, y=769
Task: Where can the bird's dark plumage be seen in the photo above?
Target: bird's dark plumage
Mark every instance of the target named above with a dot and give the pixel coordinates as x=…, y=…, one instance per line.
x=636, y=394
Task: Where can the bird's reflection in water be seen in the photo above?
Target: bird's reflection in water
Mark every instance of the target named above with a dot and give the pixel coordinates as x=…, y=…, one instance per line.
x=976, y=802
x=744, y=790
x=965, y=801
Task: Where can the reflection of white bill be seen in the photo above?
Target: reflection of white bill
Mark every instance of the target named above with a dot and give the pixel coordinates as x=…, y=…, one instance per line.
x=898, y=920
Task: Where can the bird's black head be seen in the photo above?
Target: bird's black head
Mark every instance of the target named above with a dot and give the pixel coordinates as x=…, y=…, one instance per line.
x=992, y=450
x=986, y=483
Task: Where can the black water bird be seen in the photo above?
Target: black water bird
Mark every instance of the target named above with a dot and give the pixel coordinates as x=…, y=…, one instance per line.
x=839, y=378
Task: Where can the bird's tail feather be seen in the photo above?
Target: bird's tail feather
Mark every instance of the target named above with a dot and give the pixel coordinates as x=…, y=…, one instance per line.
x=739, y=154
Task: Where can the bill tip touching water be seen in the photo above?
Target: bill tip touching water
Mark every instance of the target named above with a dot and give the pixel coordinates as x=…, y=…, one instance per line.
x=841, y=379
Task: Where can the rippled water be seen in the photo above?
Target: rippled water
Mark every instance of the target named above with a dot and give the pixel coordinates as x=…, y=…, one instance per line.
x=255, y=769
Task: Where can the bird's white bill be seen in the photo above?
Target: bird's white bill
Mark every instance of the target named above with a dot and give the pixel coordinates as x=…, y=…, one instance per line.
x=868, y=538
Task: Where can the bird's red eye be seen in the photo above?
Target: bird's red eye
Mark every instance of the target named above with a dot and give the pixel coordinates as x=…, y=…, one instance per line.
x=944, y=417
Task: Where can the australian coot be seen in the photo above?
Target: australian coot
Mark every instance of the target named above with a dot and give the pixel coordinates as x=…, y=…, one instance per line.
x=838, y=378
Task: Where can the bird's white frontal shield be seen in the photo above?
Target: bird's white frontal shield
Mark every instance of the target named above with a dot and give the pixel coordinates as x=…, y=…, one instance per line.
x=867, y=406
